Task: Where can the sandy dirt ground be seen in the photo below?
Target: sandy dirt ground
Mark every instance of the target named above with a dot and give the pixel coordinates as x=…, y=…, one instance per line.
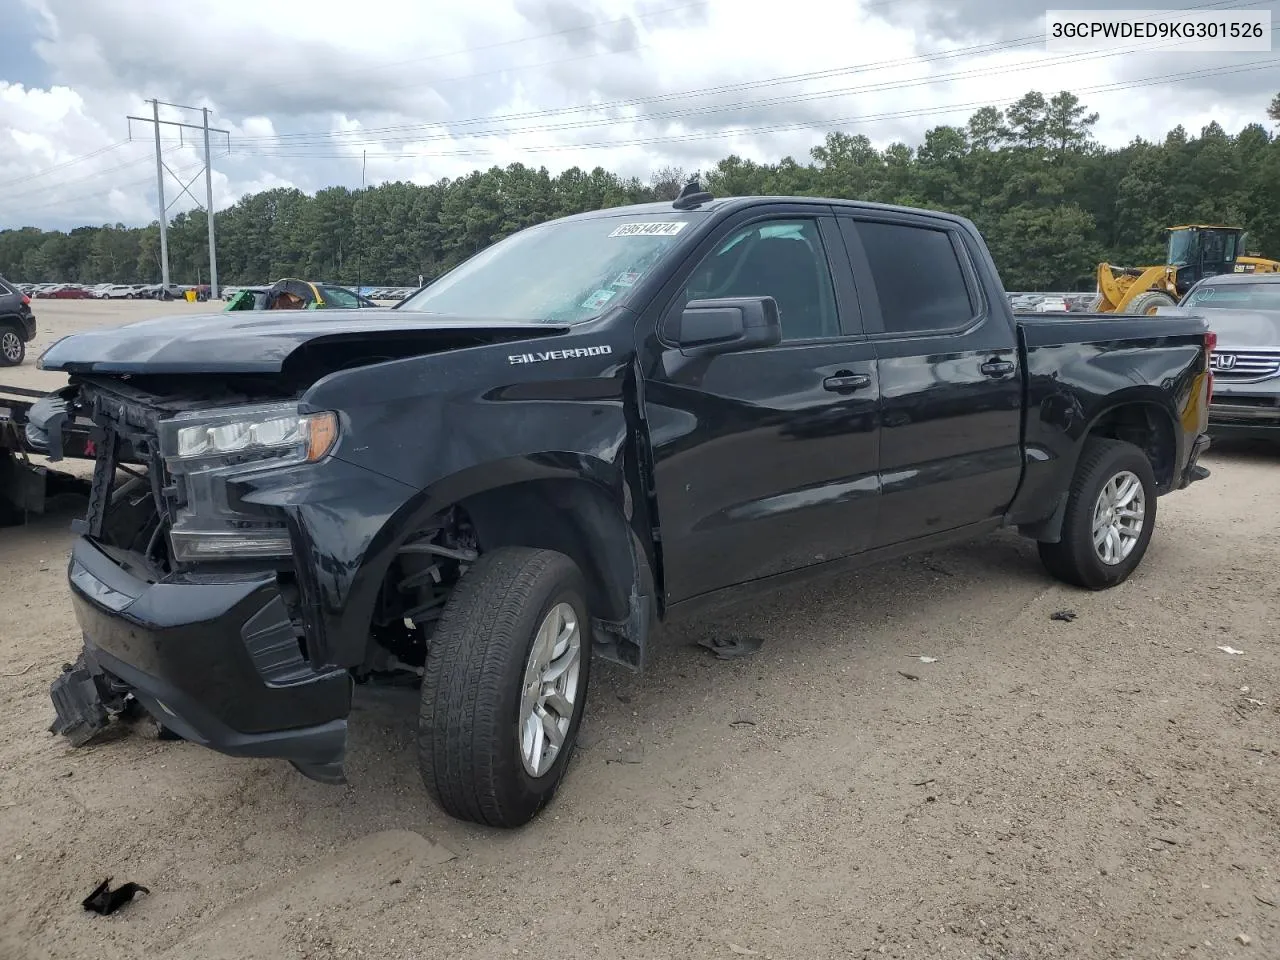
x=1100, y=788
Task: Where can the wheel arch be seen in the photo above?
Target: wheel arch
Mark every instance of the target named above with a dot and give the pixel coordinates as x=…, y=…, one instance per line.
x=575, y=505
x=1141, y=415
x=1147, y=421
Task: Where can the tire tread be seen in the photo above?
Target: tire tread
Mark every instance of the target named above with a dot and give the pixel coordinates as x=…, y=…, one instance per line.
x=474, y=644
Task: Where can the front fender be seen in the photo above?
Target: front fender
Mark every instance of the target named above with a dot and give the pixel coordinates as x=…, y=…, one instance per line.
x=427, y=432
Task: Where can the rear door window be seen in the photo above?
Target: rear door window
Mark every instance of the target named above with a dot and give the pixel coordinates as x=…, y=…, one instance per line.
x=919, y=276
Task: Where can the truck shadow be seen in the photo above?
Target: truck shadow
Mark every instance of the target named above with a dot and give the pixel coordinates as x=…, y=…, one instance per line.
x=856, y=623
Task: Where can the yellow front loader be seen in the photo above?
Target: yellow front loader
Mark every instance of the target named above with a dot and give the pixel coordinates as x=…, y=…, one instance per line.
x=1195, y=252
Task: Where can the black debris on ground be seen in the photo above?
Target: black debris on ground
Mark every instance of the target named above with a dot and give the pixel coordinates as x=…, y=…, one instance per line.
x=106, y=901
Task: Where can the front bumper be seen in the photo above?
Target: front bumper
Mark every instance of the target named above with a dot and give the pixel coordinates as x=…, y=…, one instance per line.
x=215, y=662
x=1245, y=416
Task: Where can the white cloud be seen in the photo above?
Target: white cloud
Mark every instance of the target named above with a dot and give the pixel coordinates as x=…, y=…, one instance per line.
x=306, y=88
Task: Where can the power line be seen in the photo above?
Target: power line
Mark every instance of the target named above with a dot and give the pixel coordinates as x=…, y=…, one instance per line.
x=281, y=149
x=680, y=95
x=99, y=194
x=66, y=163
x=366, y=136
x=363, y=137
x=513, y=42
x=804, y=125
x=437, y=81
x=45, y=188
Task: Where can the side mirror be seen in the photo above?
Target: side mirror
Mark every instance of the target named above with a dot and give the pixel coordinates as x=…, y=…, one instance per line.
x=724, y=326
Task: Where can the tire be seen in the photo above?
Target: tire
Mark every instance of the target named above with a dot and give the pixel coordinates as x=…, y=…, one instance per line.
x=1144, y=304
x=13, y=349
x=469, y=753
x=128, y=296
x=1074, y=558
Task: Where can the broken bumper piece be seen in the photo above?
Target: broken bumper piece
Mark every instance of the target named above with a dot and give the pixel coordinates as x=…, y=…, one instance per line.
x=207, y=661
x=85, y=700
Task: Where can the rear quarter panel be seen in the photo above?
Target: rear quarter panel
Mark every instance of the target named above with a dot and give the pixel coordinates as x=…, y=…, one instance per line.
x=1081, y=366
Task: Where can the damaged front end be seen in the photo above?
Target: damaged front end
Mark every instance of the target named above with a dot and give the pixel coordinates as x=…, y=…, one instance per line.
x=188, y=599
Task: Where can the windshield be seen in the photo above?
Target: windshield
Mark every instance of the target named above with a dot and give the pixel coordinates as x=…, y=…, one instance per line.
x=1182, y=247
x=1235, y=296
x=339, y=297
x=565, y=271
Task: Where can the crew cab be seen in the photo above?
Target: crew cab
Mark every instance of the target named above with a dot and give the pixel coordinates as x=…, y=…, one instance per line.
x=594, y=425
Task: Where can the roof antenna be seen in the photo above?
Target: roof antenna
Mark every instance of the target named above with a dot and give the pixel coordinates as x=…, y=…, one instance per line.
x=692, y=196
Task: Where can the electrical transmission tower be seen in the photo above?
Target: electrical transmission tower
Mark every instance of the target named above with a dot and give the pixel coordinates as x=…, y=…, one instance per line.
x=161, y=167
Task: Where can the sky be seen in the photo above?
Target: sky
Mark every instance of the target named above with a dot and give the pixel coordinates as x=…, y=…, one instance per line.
x=314, y=93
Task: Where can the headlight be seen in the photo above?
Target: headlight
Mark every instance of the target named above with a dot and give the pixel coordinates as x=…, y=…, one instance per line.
x=205, y=449
x=271, y=432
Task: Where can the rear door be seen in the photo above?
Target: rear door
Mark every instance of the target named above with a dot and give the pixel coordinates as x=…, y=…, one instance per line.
x=950, y=383
x=765, y=459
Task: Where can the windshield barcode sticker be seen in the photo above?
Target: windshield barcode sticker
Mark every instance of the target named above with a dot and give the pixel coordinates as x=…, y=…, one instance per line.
x=666, y=228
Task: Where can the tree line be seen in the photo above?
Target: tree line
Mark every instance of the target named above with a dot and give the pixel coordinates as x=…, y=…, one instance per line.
x=1050, y=200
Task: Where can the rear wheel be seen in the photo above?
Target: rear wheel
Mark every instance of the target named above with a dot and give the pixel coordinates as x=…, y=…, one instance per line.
x=1145, y=304
x=1111, y=512
x=13, y=350
x=504, y=686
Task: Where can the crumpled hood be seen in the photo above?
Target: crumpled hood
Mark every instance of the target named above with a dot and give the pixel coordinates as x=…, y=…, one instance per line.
x=256, y=341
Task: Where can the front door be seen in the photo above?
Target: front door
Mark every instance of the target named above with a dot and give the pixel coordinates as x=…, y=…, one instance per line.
x=950, y=383
x=765, y=460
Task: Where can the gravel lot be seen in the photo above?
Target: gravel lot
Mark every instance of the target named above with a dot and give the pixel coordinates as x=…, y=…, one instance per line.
x=1101, y=788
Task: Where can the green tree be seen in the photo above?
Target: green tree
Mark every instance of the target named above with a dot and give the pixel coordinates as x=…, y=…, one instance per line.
x=1048, y=198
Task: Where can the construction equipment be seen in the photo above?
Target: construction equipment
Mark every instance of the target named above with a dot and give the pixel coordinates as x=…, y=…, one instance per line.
x=1195, y=251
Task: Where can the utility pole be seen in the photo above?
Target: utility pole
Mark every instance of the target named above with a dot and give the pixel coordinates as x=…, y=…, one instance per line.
x=162, y=167
x=164, y=217
x=208, y=189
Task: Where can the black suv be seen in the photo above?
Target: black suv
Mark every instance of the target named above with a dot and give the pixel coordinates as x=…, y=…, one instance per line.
x=17, y=324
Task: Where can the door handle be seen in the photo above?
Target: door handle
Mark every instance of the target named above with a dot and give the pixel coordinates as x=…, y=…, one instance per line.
x=845, y=380
x=997, y=369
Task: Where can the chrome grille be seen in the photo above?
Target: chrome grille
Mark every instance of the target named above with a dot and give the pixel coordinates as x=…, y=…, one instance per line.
x=1245, y=366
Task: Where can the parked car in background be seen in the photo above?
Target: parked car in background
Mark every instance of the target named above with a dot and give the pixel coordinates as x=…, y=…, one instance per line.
x=1243, y=309
x=17, y=324
x=68, y=291
x=1051, y=305
x=293, y=294
x=160, y=291
x=120, y=291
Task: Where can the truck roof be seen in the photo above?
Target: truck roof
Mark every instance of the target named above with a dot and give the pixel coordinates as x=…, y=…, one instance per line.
x=729, y=204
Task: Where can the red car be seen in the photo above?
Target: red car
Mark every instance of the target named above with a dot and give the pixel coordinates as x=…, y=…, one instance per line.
x=67, y=292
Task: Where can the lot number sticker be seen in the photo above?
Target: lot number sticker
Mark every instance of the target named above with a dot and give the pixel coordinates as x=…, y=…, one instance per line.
x=667, y=228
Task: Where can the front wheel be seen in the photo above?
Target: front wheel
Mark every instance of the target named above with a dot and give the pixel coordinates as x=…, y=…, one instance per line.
x=1111, y=512
x=504, y=686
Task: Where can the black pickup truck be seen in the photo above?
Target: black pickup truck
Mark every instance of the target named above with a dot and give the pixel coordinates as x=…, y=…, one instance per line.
x=589, y=427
